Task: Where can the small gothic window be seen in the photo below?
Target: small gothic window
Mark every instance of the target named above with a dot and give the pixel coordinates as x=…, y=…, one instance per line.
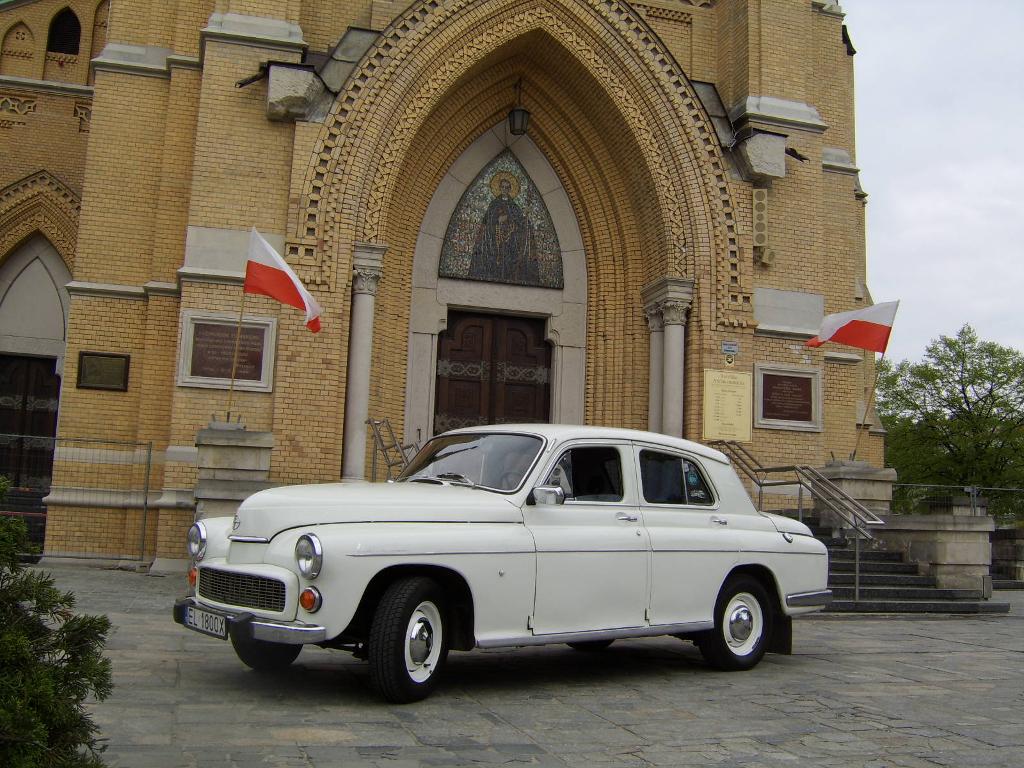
x=65, y=33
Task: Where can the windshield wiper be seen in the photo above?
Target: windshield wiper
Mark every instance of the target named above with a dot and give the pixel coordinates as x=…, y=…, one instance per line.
x=441, y=479
x=424, y=479
x=455, y=477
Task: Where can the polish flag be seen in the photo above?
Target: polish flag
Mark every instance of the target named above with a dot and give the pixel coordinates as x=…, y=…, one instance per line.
x=867, y=328
x=266, y=273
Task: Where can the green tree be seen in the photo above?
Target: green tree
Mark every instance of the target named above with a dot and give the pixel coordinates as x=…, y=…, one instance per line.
x=957, y=417
x=51, y=661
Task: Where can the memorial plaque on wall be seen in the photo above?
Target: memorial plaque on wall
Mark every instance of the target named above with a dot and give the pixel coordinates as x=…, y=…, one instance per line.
x=213, y=346
x=102, y=371
x=727, y=405
x=787, y=398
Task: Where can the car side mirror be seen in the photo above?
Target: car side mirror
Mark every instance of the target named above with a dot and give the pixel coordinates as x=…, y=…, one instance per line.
x=548, y=495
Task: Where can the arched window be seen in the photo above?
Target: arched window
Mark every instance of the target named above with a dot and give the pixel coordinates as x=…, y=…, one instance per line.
x=65, y=33
x=17, y=52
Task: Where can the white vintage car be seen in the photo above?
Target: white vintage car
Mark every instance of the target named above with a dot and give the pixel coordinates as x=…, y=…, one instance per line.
x=507, y=536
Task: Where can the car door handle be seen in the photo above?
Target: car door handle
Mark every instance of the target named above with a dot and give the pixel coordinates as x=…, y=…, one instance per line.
x=719, y=520
x=625, y=516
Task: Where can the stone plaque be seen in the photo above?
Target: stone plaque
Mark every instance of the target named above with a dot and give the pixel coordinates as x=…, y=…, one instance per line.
x=103, y=371
x=213, y=346
x=787, y=398
x=727, y=405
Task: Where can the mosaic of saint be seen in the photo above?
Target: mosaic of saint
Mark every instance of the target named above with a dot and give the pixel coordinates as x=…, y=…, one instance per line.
x=501, y=231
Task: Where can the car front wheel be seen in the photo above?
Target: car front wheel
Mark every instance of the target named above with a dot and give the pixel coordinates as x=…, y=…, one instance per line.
x=743, y=624
x=408, y=640
x=263, y=656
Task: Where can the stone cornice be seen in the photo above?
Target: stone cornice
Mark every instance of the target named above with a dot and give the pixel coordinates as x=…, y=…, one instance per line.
x=158, y=288
x=203, y=275
x=105, y=290
x=145, y=60
x=769, y=110
x=836, y=160
x=253, y=31
x=829, y=8
x=46, y=86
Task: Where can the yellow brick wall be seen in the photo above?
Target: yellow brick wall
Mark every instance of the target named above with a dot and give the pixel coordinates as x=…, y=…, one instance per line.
x=40, y=65
x=40, y=122
x=242, y=162
x=115, y=236
x=194, y=150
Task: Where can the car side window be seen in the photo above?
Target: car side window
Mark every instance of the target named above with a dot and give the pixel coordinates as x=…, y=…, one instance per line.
x=668, y=479
x=589, y=474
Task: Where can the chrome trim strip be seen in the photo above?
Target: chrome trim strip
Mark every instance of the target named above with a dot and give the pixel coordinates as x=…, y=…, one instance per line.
x=249, y=539
x=603, y=634
x=809, y=599
x=293, y=633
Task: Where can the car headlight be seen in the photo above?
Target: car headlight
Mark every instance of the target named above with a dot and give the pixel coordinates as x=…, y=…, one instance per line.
x=197, y=540
x=309, y=555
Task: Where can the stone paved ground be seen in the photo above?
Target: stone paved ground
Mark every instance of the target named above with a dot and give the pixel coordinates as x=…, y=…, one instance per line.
x=864, y=691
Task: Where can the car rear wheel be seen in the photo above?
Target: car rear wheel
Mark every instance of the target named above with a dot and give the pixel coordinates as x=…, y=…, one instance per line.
x=263, y=656
x=408, y=640
x=743, y=624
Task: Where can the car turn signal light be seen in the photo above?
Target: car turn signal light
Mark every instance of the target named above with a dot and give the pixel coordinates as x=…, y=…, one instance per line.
x=310, y=599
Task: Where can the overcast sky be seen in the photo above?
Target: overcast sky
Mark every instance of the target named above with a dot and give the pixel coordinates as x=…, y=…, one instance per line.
x=940, y=145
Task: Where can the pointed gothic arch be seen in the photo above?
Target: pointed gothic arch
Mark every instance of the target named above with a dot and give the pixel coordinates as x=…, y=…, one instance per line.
x=349, y=189
x=40, y=203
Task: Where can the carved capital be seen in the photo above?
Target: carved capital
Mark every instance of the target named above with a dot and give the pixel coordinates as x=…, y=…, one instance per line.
x=655, y=322
x=674, y=312
x=365, y=280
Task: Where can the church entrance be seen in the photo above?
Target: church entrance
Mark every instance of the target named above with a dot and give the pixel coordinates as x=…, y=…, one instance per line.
x=492, y=369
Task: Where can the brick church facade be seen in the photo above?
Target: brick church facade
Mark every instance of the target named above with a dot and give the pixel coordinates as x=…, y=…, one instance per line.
x=652, y=252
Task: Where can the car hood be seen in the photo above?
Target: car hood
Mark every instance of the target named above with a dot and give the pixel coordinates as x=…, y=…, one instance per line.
x=277, y=509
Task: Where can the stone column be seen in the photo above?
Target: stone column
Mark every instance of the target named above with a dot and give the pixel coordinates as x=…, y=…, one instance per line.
x=366, y=270
x=673, y=315
x=657, y=367
x=668, y=299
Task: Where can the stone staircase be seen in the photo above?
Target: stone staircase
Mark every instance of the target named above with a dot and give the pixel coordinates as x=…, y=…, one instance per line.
x=890, y=584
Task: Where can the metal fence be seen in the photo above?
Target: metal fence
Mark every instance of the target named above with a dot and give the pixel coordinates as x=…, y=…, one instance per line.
x=76, y=476
x=1004, y=504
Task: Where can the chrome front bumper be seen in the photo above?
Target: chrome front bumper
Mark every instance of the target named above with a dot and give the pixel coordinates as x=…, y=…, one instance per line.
x=245, y=626
x=809, y=599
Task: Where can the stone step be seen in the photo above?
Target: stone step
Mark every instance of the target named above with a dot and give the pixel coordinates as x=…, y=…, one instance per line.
x=836, y=554
x=880, y=580
x=906, y=593
x=847, y=566
x=1001, y=583
x=917, y=606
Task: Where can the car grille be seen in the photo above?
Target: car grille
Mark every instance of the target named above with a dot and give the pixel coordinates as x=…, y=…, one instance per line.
x=242, y=589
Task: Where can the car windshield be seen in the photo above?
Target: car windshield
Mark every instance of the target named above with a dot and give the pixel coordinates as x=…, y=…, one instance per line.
x=495, y=461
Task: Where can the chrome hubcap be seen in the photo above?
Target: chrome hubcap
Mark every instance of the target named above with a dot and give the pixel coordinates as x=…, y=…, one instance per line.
x=741, y=624
x=421, y=640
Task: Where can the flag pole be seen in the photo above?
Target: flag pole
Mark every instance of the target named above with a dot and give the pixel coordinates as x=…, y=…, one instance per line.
x=234, y=356
x=867, y=408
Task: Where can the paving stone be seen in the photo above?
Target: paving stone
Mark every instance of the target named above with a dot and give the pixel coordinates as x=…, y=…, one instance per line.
x=860, y=692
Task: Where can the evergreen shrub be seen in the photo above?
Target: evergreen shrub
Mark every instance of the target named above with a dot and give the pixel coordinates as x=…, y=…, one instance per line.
x=51, y=660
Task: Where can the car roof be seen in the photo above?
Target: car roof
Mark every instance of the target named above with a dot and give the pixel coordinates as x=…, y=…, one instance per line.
x=561, y=432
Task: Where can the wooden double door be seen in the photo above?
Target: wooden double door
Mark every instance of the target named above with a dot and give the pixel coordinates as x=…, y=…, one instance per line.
x=492, y=369
x=29, y=391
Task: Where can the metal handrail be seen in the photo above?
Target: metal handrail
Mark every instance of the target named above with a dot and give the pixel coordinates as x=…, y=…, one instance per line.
x=855, y=515
x=396, y=455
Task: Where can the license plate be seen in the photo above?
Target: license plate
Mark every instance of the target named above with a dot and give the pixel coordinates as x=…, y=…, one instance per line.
x=206, y=622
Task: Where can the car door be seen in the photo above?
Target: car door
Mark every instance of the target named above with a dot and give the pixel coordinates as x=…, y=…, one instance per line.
x=694, y=542
x=592, y=550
